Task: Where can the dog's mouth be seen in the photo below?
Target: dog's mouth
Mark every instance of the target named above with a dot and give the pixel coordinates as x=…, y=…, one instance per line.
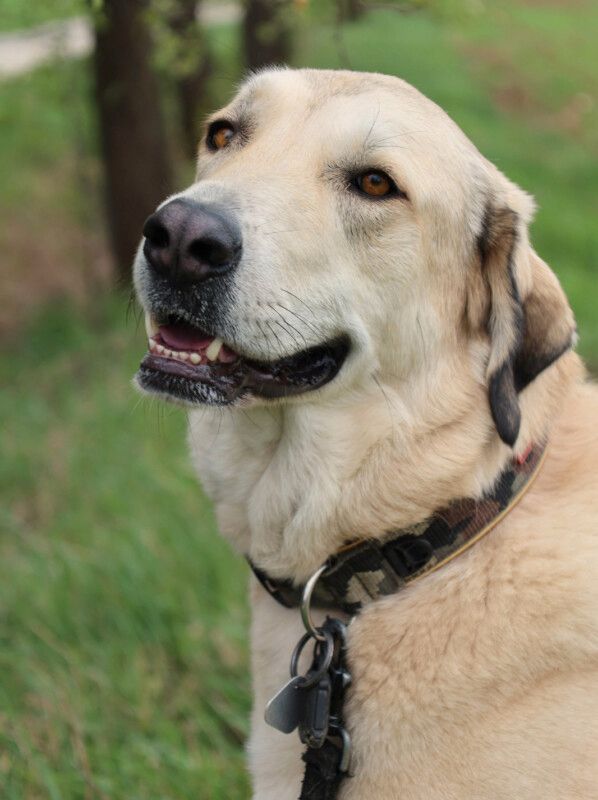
x=188, y=364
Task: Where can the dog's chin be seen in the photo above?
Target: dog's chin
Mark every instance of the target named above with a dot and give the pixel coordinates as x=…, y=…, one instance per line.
x=237, y=380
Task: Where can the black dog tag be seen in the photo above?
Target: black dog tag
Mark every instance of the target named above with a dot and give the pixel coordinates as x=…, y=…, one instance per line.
x=315, y=712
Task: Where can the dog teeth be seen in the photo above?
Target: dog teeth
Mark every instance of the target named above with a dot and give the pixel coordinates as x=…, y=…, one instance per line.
x=150, y=326
x=214, y=349
x=183, y=355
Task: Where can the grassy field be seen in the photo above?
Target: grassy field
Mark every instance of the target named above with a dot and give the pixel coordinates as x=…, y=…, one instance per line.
x=123, y=626
x=122, y=621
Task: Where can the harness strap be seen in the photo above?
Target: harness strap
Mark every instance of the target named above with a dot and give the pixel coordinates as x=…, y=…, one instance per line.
x=322, y=777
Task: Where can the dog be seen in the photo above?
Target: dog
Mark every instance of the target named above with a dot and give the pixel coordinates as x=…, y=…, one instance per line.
x=347, y=301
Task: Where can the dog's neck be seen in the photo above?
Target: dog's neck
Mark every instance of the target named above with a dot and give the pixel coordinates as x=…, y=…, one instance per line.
x=292, y=484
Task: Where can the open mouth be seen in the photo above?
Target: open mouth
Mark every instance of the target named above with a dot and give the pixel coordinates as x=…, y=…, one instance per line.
x=190, y=365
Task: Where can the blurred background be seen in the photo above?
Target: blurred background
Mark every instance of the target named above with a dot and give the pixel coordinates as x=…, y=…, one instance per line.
x=123, y=622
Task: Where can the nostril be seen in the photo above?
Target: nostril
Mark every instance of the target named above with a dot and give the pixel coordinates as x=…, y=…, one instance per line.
x=210, y=251
x=156, y=232
x=190, y=242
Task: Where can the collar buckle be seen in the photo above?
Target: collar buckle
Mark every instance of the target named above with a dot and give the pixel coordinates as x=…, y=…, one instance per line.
x=408, y=554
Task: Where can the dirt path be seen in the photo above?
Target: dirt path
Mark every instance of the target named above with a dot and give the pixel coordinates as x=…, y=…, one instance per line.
x=22, y=51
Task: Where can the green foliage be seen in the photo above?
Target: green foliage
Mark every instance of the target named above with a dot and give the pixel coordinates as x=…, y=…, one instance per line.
x=178, y=52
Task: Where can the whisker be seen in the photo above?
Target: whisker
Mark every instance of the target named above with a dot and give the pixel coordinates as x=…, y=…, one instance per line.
x=133, y=309
x=287, y=331
x=276, y=336
x=249, y=418
x=369, y=133
x=265, y=338
x=388, y=403
x=299, y=317
x=287, y=323
x=138, y=401
x=286, y=291
x=397, y=136
x=390, y=147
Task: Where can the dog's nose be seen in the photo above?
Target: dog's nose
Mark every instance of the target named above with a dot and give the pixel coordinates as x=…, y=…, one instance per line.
x=191, y=241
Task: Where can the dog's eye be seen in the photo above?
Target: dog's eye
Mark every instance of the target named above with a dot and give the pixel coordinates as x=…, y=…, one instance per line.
x=375, y=184
x=220, y=135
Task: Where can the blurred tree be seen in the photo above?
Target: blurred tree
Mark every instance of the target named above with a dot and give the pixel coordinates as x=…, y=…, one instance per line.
x=267, y=32
x=194, y=71
x=183, y=57
x=133, y=142
x=350, y=9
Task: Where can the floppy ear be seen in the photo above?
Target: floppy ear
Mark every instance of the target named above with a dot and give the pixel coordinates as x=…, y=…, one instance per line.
x=527, y=316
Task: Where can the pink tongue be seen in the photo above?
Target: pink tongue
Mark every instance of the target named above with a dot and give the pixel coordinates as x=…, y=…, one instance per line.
x=184, y=337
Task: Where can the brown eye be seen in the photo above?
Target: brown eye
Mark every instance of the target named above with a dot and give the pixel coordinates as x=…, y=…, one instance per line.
x=220, y=135
x=375, y=184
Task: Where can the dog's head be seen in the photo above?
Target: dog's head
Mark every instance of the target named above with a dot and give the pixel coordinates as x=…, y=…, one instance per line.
x=342, y=229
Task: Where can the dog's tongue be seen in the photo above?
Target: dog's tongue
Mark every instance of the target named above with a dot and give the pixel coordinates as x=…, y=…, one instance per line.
x=184, y=337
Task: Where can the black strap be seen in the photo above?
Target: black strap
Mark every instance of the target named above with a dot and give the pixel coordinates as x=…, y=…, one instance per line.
x=326, y=766
x=322, y=777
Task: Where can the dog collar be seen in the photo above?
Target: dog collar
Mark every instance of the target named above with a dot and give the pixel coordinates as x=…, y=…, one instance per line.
x=368, y=569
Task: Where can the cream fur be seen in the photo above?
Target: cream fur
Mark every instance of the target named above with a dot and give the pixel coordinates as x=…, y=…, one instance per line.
x=480, y=681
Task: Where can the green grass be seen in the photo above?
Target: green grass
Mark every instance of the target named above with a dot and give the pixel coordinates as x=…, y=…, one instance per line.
x=123, y=622
x=47, y=137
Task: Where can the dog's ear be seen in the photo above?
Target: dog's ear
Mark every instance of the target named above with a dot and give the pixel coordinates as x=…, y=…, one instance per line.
x=525, y=312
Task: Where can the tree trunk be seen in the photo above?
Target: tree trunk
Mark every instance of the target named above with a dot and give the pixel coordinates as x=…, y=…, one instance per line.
x=133, y=142
x=267, y=32
x=351, y=9
x=195, y=72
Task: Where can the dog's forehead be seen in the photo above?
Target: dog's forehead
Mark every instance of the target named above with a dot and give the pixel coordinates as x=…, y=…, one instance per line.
x=306, y=121
x=345, y=102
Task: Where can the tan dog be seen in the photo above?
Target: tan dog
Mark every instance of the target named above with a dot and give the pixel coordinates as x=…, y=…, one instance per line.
x=355, y=282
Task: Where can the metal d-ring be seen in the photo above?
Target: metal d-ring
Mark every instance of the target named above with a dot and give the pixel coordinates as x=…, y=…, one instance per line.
x=308, y=682
x=306, y=604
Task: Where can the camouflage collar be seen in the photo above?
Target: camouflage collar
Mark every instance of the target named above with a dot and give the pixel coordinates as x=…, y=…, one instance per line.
x=368, y=569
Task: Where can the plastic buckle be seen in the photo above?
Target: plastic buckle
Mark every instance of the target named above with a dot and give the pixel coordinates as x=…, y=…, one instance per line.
x=408, y=554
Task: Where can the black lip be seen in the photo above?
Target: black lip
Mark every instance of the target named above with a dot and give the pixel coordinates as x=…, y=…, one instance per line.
x=223, y=384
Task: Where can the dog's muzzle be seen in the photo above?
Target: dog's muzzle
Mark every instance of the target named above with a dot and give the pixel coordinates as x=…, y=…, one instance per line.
x=191, y=252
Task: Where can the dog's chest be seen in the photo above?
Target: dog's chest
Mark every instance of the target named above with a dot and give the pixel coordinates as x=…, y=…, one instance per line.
x=275, y=478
